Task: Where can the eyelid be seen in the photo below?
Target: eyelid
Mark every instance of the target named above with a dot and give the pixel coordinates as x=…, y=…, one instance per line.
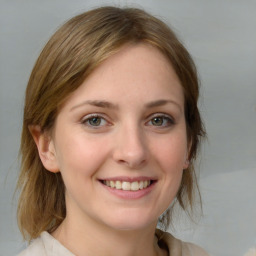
x=86, y=118
x=163, y=115
x=170, y=119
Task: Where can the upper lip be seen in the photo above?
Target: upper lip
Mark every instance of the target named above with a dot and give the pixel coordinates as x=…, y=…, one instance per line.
x=129, y=179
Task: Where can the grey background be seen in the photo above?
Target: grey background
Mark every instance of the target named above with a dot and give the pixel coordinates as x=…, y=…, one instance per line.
x=221, y=37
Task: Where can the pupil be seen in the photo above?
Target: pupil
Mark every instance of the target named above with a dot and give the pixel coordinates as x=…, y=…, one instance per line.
x=95, y=121
x=158, y=121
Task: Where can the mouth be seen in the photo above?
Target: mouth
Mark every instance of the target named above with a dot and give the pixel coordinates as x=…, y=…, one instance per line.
x=127, y=185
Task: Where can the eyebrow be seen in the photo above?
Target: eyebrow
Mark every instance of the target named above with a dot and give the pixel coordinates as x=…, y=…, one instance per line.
x=96, y=103
x=159, y=103
x=107, y=104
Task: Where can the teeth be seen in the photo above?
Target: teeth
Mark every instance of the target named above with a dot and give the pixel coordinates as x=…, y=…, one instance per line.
x=141, y=185
x=112, y=184
x=128, y=186
x=135, y=186
x=118, y=185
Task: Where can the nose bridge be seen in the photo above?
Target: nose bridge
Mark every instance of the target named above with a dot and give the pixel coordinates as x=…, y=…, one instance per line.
x=130, y=145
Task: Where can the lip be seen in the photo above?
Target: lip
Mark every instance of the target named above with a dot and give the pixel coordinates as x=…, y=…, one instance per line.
x=129, y=179
x=129, y=195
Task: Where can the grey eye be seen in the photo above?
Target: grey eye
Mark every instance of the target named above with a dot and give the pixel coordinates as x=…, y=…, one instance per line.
x=95, y=121
x=158, y=121
x=161, y=121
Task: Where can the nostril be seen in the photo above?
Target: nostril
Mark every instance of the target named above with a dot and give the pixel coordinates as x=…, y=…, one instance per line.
x=130, y=149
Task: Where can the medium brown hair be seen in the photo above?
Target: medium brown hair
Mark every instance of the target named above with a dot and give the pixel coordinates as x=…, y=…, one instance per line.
x=71, y=54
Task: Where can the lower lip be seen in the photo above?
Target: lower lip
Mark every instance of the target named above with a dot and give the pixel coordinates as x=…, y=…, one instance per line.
x=127, y=194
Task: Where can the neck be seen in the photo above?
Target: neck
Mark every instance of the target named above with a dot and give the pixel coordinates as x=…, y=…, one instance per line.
x=97, y=239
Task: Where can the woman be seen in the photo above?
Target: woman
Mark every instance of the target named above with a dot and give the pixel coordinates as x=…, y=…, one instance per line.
x=111, y=129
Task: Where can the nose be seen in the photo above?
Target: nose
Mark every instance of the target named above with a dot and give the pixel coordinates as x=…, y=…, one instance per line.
x=130, y=148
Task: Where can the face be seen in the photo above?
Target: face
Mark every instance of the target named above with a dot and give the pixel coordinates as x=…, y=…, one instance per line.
x=120, y=141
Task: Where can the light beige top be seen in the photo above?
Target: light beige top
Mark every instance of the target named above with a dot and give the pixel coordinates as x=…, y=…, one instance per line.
x=47, y=245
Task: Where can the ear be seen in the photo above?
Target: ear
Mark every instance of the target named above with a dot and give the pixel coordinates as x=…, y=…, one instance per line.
x=187, y=160
x=46, y=149
x=186, y=164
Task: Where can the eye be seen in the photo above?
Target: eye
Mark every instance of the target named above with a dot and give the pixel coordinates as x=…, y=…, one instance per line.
x=161, y=121
x=157, y=121
x=94, y=120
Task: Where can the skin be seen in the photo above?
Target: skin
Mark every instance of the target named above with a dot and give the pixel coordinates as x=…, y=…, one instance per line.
x=138, y=131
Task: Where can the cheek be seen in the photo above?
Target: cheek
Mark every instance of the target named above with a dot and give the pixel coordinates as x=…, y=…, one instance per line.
x=171, y=153
x=80, y=154
x=170, y=156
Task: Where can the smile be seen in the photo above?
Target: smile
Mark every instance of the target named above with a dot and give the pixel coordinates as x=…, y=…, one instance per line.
x=126, y=185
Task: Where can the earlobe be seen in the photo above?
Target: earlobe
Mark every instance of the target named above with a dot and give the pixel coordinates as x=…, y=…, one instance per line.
x=187, y=159
x=186, y=164
x=45, y=148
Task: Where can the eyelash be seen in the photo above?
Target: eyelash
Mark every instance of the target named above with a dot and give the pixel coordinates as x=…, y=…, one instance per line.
x=88, y=118
x=166, y=119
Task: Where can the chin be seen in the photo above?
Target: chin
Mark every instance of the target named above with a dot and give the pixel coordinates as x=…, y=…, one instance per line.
x=132, y=221
x=132, y=226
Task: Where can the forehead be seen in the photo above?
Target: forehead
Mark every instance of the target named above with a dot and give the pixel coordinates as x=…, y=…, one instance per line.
x=135, y=71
